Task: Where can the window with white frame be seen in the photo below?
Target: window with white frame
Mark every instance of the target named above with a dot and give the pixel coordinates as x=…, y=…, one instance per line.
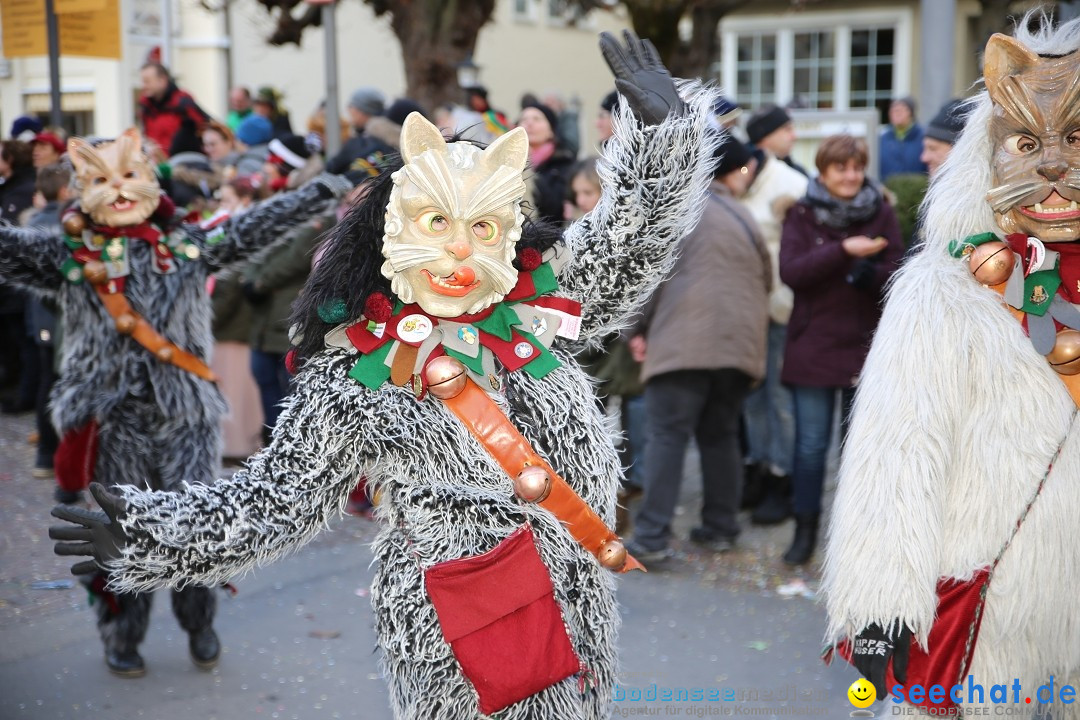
x=826, y=60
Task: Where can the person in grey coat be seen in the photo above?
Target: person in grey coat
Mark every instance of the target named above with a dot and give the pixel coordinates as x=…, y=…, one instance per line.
x=702, y=340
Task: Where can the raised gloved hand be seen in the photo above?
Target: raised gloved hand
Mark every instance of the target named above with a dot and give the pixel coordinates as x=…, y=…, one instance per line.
x=641, y=78
x=94, y=533
x=872, y=649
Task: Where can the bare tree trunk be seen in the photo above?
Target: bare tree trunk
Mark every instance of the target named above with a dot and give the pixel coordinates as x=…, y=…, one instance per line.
x=658, y=20
x=435, y=36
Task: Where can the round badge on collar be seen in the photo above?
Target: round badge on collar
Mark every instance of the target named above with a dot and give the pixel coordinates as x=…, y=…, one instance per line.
x=467, y=334
x=414, y=328
x=523, y=350
x=539, y=325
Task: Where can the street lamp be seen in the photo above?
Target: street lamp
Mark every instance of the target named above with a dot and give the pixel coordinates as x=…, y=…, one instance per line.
x=468, y=73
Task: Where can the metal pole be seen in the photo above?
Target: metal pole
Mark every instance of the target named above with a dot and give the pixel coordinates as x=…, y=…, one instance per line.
x=166, y=35
x=52, y=29
x=333, y=125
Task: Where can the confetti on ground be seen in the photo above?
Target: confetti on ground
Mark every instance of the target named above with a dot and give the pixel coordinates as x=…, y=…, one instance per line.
x=796, y=588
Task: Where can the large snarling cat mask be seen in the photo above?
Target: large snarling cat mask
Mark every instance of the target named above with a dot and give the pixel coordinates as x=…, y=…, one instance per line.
x=1035, y=133
x=453, y=220
x=116, y=181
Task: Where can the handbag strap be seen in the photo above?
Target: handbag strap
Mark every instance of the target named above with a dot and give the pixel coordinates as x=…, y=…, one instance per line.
x=969, y=646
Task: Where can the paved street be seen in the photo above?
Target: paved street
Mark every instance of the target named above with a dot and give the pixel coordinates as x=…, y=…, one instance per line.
x=298, y=639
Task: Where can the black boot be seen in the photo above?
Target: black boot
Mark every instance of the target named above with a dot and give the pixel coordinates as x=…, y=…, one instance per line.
x=802, y=547
x=776, y=507
x=755, y=484
x=205, y=648
x=125, y=663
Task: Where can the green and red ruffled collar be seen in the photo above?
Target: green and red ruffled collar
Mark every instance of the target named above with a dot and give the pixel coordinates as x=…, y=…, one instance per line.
x=395, y=341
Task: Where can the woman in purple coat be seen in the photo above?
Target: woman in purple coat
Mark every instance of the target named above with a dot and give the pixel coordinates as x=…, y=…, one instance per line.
x=840, y=244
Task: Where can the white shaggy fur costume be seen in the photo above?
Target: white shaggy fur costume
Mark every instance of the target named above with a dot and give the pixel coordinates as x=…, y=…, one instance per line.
x=443, y=496
x=955, y=422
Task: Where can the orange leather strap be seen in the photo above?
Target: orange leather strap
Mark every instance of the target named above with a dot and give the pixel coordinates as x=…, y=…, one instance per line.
x=488, y=424
x=1072, y=382
x=118, y=306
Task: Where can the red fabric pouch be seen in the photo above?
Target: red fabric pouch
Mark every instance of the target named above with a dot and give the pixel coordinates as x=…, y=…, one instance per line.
x=76, y=456
x=498, y=613
x=951, y=642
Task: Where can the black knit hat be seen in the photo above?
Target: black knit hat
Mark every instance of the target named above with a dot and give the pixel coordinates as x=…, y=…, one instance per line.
x=948, y=123
x=552, y=118
x=608, y=103
x=765, y=122
x=731, y=155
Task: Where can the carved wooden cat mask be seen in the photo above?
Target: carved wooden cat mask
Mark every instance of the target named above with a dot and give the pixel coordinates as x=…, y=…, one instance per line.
x=1035, y=131
x=116, y=181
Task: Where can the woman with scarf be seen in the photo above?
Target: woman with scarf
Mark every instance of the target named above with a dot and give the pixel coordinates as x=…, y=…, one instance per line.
x=551, y=161
x=840, y=244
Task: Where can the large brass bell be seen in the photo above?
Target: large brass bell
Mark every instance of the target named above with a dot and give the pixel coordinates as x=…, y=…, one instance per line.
x=612, y=555
x=95, y=272
x=533, y=484
x=1065, y=357
x=125, y=324
x=74, y=224
x=992, y=262
x=445, y=377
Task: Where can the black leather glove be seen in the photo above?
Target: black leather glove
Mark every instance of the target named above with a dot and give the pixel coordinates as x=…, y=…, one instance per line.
x=862, y=273
x=641, y=78
x=97, y=534
x=253, y=294
x=874, y=647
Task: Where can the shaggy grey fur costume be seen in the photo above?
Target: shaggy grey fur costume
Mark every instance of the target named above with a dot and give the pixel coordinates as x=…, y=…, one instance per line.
x=159, y=425
x=443, y=495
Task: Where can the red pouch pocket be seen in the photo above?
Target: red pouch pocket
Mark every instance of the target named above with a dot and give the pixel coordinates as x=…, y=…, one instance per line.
x=76, y=456
x=952, y=639
x=498, y=613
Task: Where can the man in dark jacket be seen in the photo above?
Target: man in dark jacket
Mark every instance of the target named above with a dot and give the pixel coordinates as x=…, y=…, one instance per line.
x=362, y=151
x=169, y=116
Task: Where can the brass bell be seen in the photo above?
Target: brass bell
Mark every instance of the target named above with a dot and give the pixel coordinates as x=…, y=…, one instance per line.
x=992, y=263
x=1065, y=357
x=164, y=354
x=125, y=324
x=612, y=555
x=95, y=272
x=445, y=377
x=74, y=224
x=532, y=484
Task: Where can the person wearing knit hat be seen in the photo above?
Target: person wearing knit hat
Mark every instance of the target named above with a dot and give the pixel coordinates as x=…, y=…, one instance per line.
x=254, y=130
x=702, y=345
x=25, y=127
x=47, y=149
x=726, y=112
x=603, y=118
x=286, y=155
x=267, y=102
x=364, y=104
x=771, y=129
x=550, y=160
x=901, y=142
x=941, y=134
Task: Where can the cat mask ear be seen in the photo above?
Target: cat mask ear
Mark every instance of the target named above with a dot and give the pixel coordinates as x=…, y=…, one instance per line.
x=418, y=136
x=510, y=149
x=77, y=149
x=1004, y=57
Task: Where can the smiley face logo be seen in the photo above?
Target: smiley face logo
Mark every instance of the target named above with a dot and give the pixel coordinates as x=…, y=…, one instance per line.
x=862, y=693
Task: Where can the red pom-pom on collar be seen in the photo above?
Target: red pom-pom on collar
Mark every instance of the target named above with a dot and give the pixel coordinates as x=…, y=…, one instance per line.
x=290, y=361
x=529, y=259
x=378, y=307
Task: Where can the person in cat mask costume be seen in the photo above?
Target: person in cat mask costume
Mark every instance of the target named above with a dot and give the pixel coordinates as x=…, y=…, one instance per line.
x=436, y=342
x=952, y=547
x=136, y=404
